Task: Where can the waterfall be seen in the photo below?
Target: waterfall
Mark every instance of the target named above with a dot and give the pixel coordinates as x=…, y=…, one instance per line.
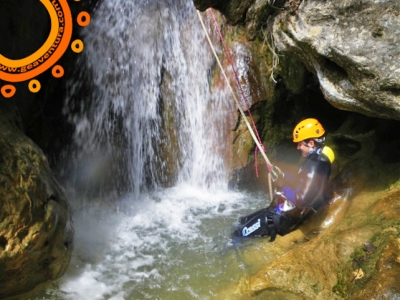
x=151, y=133
x=143, y=110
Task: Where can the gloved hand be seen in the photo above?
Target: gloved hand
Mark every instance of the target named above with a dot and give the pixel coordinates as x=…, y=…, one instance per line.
x=289, y=193
x=277, y=176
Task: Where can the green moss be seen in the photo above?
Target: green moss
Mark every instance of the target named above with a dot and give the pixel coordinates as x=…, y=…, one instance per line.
x=365, y=259
x=315, y=288
x=340, y=288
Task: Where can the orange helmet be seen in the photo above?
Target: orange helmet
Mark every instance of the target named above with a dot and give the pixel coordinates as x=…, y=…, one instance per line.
x=307, y=129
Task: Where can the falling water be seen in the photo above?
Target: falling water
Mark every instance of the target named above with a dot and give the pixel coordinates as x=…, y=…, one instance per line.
x=151, y=130
x=150, y=118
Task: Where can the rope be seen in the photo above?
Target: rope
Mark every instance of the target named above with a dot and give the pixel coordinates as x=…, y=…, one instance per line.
x=236, y=75
x=253, y=135
x=241, y=91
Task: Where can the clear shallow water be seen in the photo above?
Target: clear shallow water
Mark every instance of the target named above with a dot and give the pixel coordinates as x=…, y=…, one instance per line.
x=173, y=244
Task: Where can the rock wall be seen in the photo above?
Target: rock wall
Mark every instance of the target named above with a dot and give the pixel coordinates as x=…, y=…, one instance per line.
x=350, y=46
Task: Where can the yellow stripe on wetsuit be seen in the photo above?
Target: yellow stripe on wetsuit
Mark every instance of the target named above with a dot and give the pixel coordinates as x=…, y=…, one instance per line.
x=329, y=153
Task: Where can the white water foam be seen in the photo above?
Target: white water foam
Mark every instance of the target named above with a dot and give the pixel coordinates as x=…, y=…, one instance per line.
x=169, y=249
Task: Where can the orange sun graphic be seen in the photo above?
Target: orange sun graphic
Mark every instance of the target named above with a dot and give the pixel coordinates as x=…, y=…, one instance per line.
x=18, y=70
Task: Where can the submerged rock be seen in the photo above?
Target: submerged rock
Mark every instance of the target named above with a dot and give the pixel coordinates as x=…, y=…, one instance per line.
x=35, y=229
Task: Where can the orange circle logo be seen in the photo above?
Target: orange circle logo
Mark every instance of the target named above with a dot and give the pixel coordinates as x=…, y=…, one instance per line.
x=17, y=70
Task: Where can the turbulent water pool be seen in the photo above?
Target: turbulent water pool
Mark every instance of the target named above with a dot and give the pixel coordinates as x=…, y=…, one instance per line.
x=172, y=244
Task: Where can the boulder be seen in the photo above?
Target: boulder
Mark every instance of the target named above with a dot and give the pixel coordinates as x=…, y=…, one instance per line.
x=352, y=47
x=35, y=227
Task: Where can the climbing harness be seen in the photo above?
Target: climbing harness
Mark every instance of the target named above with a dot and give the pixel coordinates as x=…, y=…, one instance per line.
x=254, y=135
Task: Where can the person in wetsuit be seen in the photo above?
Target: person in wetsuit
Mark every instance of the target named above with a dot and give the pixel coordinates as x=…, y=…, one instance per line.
x=296, y=196
x=304, y=192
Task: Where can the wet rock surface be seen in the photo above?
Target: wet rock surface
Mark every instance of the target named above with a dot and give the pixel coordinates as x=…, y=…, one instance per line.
x=354, y=257
x=350, y=46
x=35, y=229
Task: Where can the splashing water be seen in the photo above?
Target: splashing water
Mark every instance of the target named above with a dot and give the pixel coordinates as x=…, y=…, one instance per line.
x=149, y=127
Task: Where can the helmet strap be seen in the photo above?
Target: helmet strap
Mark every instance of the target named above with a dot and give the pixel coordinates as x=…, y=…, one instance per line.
x=311, y=150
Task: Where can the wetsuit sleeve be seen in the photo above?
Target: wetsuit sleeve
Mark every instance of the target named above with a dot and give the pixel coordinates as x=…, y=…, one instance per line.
x=288, y=180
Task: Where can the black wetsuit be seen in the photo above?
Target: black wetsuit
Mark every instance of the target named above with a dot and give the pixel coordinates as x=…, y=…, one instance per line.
x=310, y=183
x=305, y=191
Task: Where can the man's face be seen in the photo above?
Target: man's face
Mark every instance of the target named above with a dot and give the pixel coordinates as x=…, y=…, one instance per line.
x=305, y=147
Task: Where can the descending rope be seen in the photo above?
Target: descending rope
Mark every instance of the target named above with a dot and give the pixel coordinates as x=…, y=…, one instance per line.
x=236, y=75
x=253, y=135
x=241, y=91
